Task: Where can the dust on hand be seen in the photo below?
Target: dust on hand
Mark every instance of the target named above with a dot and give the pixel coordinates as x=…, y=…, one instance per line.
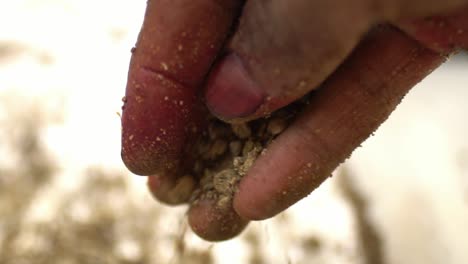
x=225, y=153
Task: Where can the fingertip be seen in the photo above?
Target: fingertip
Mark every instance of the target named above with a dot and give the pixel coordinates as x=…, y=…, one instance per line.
x=159, y=115
x=215, y=223
x=169, y=191
x=230, y=92
x=249, y=205
x=266, y=191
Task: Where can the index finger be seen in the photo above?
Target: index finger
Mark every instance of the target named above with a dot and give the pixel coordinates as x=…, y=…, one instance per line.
x=177, y=44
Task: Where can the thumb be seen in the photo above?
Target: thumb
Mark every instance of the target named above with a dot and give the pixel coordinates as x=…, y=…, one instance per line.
x=284, y=49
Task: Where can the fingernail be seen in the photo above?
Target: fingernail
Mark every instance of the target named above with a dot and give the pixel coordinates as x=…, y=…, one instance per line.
x=230, y=92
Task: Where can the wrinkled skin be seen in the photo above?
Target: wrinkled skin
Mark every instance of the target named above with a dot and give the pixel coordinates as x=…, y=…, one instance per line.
x=364, y=55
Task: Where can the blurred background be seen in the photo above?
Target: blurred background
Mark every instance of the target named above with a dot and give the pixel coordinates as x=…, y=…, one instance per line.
x=65, y=196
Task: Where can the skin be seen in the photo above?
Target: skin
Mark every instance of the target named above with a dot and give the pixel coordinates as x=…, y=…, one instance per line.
x=270, y=60
x=176, y=47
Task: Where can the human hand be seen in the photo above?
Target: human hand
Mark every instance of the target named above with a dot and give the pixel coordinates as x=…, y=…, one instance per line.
x=280, y=51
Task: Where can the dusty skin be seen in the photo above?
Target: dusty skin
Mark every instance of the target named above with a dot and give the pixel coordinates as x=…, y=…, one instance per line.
x=163, y=115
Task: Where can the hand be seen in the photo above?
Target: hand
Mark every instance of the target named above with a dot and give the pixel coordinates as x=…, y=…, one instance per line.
x=364, y=55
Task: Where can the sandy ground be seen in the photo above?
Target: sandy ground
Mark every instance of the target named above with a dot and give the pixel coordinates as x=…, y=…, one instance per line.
x=71, y=57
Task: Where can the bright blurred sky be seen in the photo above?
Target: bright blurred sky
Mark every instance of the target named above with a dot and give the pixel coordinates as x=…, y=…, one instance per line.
x=88, y=44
